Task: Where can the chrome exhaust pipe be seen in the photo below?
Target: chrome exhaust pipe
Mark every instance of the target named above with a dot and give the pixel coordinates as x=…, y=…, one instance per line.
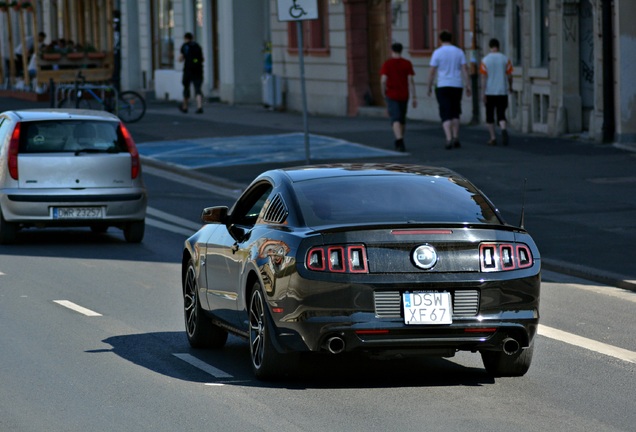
x=510, y=346
x=335, y=345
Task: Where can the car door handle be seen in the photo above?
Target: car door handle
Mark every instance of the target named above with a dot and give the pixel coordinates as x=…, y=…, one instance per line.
x=235, y=247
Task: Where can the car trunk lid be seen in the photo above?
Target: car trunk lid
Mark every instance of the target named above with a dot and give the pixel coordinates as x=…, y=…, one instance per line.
x=74, y=170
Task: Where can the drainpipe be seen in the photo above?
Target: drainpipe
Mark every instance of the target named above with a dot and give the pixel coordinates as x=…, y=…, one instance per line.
x=608, y=73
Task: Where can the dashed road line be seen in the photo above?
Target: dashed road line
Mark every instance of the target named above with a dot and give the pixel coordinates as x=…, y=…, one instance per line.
x=200, y=364
x=77, y=308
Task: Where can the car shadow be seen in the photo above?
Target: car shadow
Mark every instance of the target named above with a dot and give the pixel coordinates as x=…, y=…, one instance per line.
x=163, y=353
x=85, y=244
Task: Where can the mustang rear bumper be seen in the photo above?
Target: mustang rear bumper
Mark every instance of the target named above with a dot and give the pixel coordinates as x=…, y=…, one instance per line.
x=333, y=317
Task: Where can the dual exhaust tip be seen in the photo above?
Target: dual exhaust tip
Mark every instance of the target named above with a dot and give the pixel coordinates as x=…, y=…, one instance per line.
x=336, y=345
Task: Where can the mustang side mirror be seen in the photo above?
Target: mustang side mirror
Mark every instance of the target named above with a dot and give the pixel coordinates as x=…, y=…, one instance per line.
x=215, y=214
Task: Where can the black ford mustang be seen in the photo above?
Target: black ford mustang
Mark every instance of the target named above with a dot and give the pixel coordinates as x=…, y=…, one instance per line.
x=384, y=259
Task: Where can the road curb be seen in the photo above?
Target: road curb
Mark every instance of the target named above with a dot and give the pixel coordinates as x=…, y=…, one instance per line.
x=196, y=175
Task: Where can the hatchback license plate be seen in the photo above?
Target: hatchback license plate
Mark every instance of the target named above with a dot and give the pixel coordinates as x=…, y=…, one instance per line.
x=77, y=212
x=427, y=308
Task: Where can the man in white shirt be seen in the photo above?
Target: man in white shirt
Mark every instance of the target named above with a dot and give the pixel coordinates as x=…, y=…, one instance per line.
x=448, y=63
x=496, y=81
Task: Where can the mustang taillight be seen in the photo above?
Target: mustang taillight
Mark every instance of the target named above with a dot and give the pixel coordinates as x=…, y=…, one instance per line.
x=132, y=149
x=495, y=257
x=338, y=259
x=14, y=148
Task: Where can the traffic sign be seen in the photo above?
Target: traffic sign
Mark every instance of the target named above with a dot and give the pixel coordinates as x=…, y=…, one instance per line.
x=297, y=10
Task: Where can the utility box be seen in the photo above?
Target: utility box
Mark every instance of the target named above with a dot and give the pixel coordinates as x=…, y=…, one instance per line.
x=272, y=91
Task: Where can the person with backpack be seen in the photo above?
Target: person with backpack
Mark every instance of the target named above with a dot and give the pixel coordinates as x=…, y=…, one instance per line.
x=192, y=57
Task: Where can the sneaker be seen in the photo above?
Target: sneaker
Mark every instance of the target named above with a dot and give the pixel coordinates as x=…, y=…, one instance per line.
x=504, y=137
x=199, y=111
x=182, y=109
x=399, y=145
x=456, y=143
x=492, y=142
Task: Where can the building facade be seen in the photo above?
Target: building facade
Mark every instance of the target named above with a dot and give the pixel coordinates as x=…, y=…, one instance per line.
x=572, y=58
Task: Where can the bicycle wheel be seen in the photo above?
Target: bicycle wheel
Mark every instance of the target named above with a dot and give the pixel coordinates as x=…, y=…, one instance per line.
x=131, y=106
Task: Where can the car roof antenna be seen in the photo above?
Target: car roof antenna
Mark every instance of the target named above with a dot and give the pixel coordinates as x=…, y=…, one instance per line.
x=523, y=204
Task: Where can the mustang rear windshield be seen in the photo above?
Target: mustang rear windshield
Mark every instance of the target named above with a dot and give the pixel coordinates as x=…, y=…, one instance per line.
x=70, y=136
x=392, y=199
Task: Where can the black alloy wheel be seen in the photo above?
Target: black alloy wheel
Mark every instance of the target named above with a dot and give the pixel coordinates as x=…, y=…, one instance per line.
x=500, y=364
x=267, y=362
x=202, y=333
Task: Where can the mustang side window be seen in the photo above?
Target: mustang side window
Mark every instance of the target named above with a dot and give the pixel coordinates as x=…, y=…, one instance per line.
x=253, y=203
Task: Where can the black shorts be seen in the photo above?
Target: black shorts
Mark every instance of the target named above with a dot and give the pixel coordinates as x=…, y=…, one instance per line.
x=498, y=104
x=397, y=110
x=450, y=102
x=196, y=81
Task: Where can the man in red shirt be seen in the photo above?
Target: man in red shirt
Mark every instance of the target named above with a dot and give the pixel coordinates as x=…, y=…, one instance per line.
x=397, y=79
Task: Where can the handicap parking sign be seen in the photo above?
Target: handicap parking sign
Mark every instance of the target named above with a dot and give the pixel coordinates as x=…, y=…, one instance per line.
x=297, y=10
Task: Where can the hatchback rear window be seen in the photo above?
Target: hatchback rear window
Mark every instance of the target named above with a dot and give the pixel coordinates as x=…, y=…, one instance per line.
x=71, y=136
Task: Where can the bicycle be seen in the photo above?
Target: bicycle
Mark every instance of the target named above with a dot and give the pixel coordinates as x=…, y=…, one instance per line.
x=130, y=106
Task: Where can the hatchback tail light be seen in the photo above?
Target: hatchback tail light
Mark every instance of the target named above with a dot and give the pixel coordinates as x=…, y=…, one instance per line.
x=14, y=148
x=495, y=257
x=338, y=259
x=132, y=149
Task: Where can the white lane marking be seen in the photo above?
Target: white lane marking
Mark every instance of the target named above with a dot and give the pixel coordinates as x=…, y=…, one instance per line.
x=200, y=364
x=218, y=190
x=76, y=308
x=186, y=223
x=169, y=227
x=590, y=344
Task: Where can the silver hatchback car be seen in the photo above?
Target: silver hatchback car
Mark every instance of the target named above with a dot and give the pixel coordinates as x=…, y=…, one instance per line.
x=69, y=168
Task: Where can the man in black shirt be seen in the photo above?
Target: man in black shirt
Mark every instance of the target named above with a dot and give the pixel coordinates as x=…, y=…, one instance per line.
x=192, y=55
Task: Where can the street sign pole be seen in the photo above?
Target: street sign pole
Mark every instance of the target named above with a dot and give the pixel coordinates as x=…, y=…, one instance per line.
x=299, y=11
x=301, y=61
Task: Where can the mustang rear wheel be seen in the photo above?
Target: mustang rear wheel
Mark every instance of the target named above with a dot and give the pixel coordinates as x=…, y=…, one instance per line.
x=202, y=333
x=500, y=364
x=267, y=362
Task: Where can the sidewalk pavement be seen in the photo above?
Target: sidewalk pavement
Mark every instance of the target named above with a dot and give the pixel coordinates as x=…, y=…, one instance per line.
x=580, y=196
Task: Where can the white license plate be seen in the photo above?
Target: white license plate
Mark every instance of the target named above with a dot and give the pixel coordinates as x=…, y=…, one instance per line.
x=77, y=212
x=427, y=308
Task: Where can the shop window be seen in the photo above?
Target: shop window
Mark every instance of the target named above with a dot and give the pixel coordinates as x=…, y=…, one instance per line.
x=163, y=34
x=422, y=39
x=315, y=33
x=541, y=33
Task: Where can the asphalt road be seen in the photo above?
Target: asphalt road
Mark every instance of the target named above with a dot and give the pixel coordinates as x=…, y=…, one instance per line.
x=91, y=328
x=92, y=338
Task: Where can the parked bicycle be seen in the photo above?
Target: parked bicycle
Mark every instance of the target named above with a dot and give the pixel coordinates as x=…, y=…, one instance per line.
x=129, y=106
